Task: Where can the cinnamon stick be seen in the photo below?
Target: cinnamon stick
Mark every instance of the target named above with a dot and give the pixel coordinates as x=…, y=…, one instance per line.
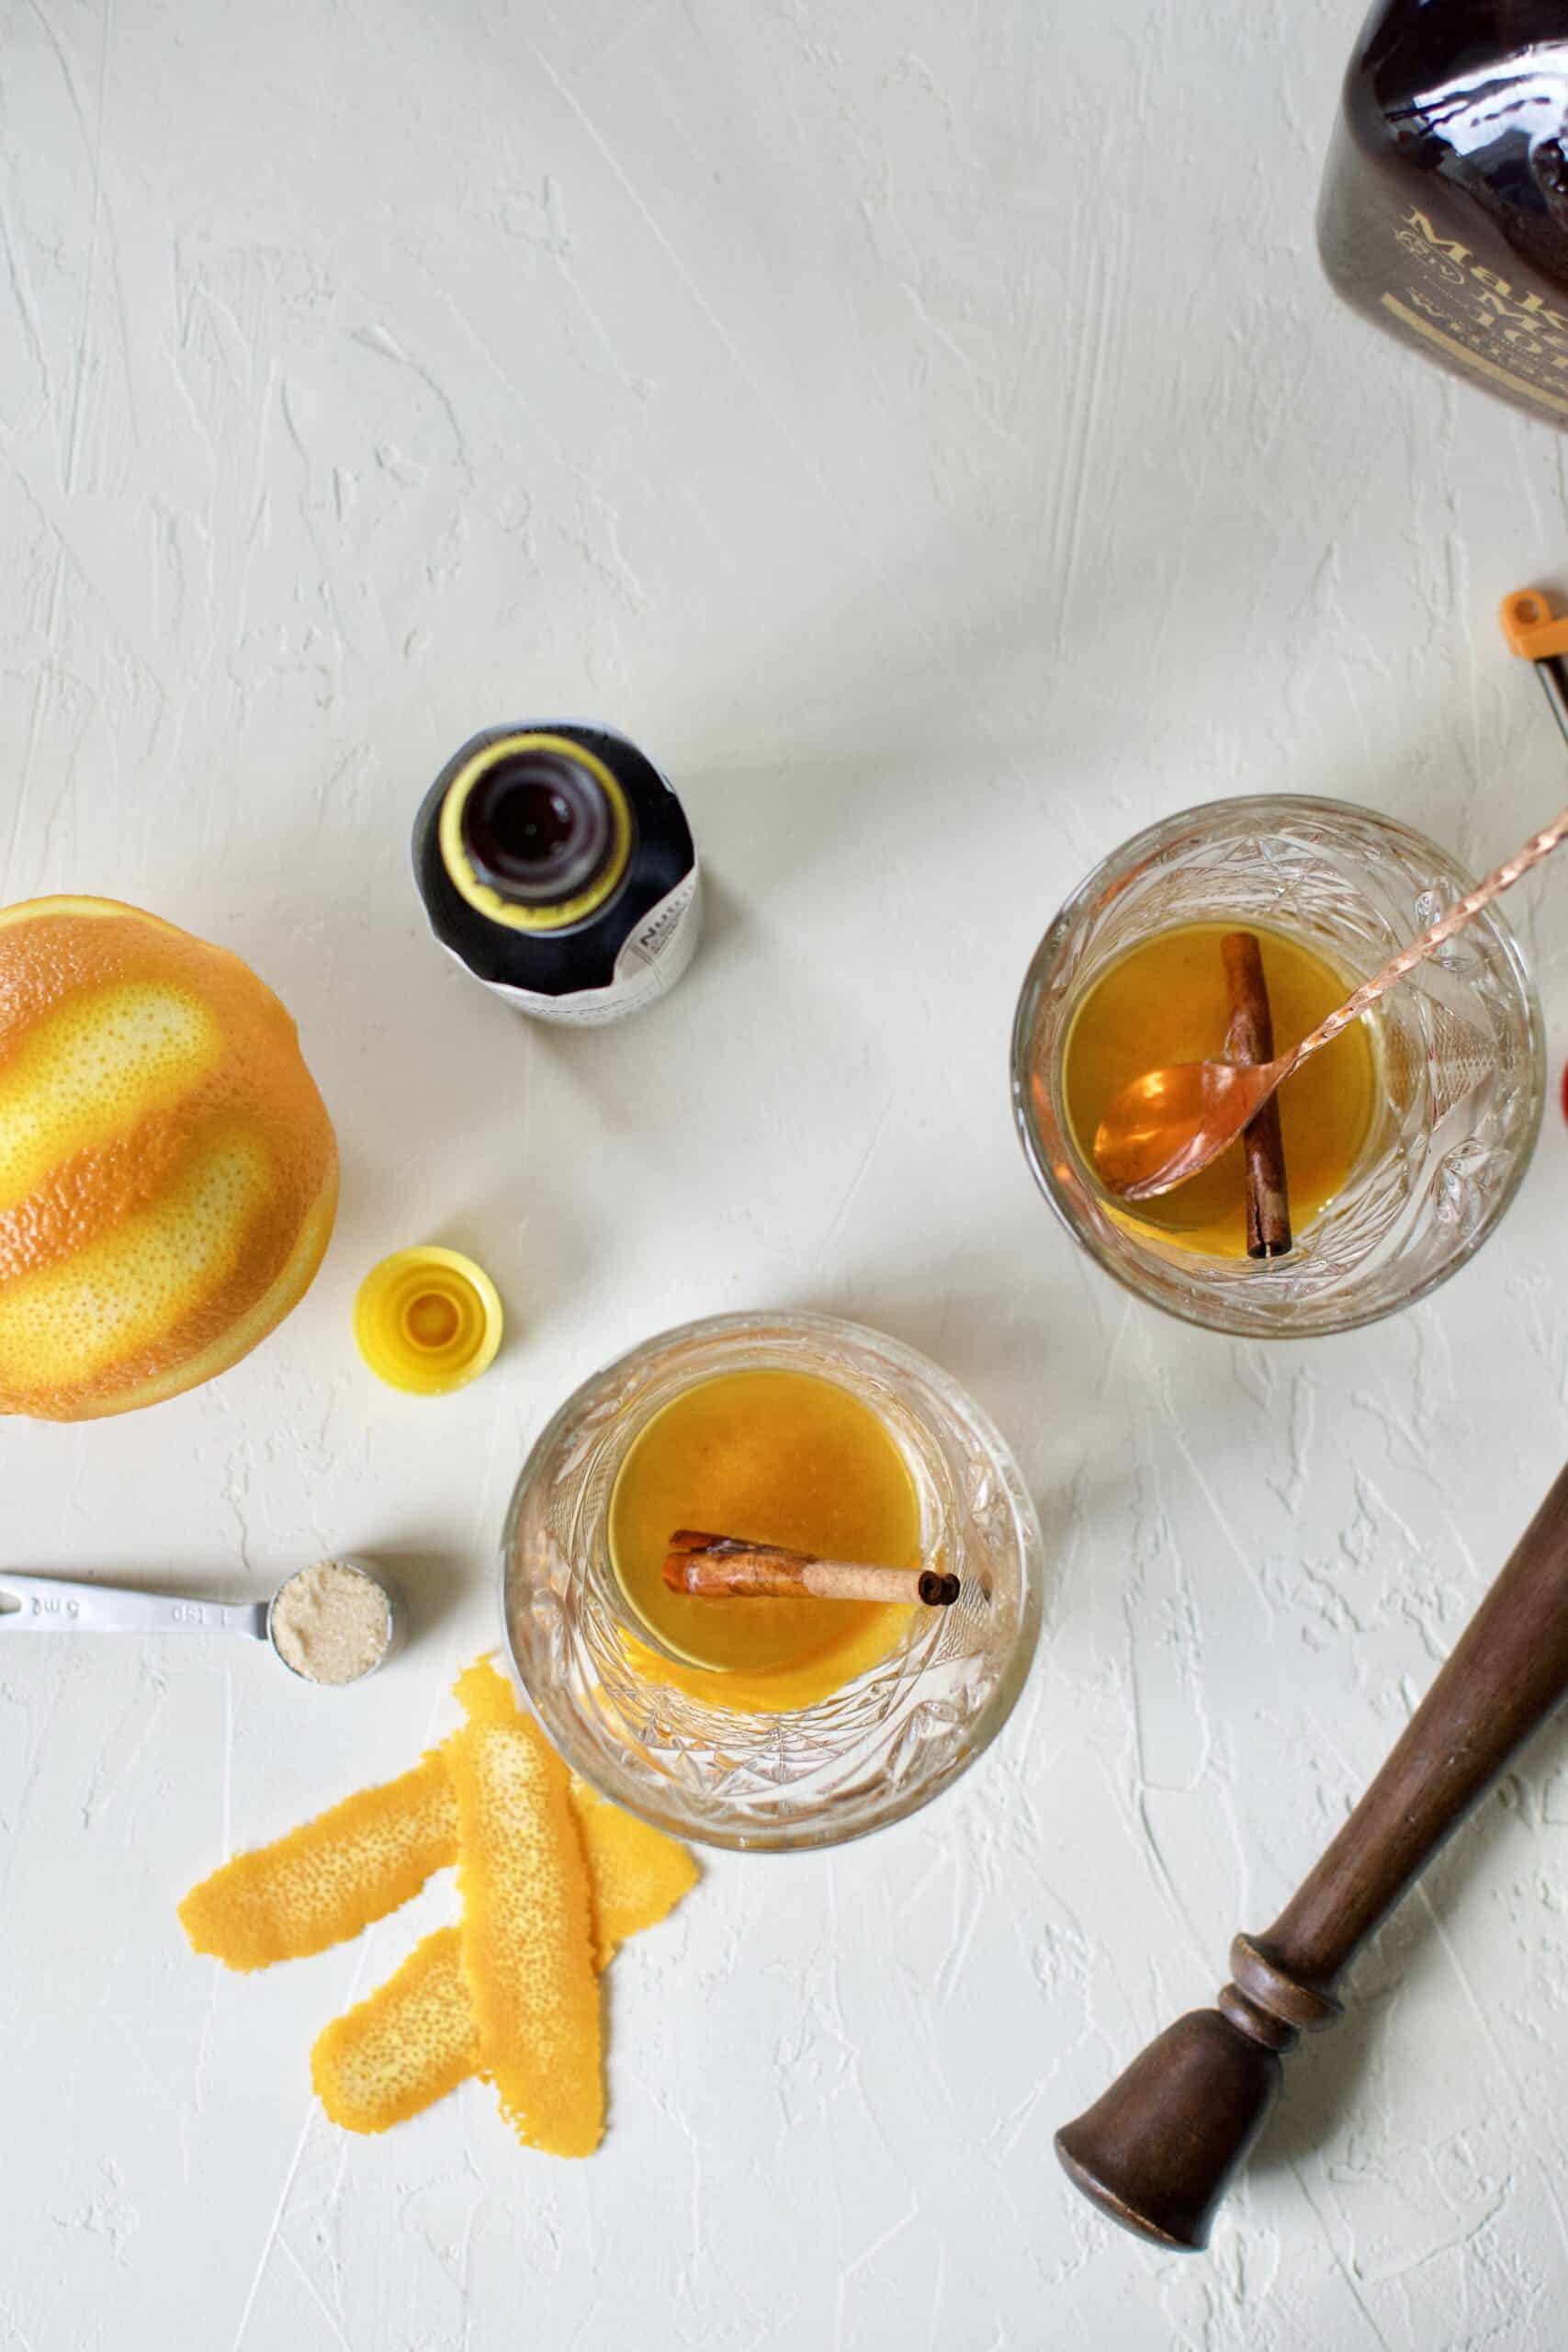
x=714, y=1568
x=1250, y=1038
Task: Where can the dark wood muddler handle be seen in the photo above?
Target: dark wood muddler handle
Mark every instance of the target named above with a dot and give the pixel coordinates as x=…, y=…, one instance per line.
x=1158, y=2151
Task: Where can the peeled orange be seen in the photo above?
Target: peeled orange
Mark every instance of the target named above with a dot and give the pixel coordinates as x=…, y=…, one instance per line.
x=168, y=1173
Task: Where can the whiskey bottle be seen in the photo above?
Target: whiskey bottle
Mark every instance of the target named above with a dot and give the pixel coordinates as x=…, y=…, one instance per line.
x=1444, y=213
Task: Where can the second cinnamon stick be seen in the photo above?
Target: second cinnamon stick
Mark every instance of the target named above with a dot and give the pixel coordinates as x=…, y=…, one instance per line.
x=1250, y=1038
x=712, y=1567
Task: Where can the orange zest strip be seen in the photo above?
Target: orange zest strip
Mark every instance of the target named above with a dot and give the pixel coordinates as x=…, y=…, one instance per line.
x=526, y=1947
x=330, y=1878
x=557, y=1880
x=324, y=1881
x=485, y=1695
x=413, y=2041
x=636, y=1874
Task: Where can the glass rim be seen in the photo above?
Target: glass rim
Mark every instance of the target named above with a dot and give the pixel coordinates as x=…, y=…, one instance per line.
x=1210, y=1314
x=559, y=1725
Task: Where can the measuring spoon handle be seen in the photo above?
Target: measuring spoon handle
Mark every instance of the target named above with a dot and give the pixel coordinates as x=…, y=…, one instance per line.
x=1502, y=878
x=56, y=1605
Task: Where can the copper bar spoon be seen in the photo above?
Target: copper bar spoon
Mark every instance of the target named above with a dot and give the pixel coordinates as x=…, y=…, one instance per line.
x=1170, y=1122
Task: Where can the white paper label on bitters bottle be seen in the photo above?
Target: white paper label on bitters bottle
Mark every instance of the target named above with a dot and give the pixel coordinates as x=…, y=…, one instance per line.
x=647, y=966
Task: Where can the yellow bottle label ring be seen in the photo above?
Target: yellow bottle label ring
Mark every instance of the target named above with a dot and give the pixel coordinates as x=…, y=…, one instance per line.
x=459, y=865
x=427, y=1320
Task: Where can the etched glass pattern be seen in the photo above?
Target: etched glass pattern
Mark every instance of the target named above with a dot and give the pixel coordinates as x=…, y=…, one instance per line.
x=1457, y=1045
x=878, y=1749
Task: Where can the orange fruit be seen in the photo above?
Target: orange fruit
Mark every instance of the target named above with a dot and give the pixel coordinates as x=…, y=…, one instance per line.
x=168, y=1173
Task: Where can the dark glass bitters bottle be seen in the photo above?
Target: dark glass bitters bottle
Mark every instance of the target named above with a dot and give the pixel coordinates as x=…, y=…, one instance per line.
x=556, y=864
x=1444, y=214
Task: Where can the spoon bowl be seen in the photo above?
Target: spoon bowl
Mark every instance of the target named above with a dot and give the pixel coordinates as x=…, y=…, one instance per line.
x=1169, y=1123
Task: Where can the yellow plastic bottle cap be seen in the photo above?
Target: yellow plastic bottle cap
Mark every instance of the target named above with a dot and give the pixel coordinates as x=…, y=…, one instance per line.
x=428, y=1320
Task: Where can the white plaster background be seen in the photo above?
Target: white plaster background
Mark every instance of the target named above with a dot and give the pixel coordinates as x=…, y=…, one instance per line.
x=924, y=426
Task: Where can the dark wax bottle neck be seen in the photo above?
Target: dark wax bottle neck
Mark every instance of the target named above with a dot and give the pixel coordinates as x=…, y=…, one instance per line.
x=539, y=827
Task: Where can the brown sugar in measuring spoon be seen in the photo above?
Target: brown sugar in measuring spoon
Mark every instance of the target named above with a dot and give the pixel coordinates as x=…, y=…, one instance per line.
x=1158, y=2151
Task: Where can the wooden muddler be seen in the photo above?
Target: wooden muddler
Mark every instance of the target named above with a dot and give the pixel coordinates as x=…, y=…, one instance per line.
x=1250, y=1038
x=713, y=1568
x=1158, y=2151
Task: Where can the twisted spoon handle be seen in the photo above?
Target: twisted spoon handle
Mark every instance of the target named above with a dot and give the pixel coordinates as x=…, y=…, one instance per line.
x=1503, y=879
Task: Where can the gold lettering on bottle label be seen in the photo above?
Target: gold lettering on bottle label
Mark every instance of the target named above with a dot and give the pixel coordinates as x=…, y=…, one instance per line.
x=1482, y=319
x=1474, y=359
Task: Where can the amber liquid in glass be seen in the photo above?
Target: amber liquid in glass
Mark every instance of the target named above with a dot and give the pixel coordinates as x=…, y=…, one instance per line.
x=1165, y=1002
x=777, y=1457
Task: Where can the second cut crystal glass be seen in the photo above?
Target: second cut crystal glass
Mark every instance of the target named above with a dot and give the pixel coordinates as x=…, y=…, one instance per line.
x=1457, y=1050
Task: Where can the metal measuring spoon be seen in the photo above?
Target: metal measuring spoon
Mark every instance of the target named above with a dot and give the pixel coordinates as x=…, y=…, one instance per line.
x=57, y=1605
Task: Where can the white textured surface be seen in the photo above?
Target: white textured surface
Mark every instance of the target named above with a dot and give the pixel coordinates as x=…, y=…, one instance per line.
x=925, y=428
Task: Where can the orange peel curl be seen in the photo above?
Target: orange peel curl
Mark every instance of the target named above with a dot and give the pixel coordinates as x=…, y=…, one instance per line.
x=330, y=1878
x=554, y=1880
